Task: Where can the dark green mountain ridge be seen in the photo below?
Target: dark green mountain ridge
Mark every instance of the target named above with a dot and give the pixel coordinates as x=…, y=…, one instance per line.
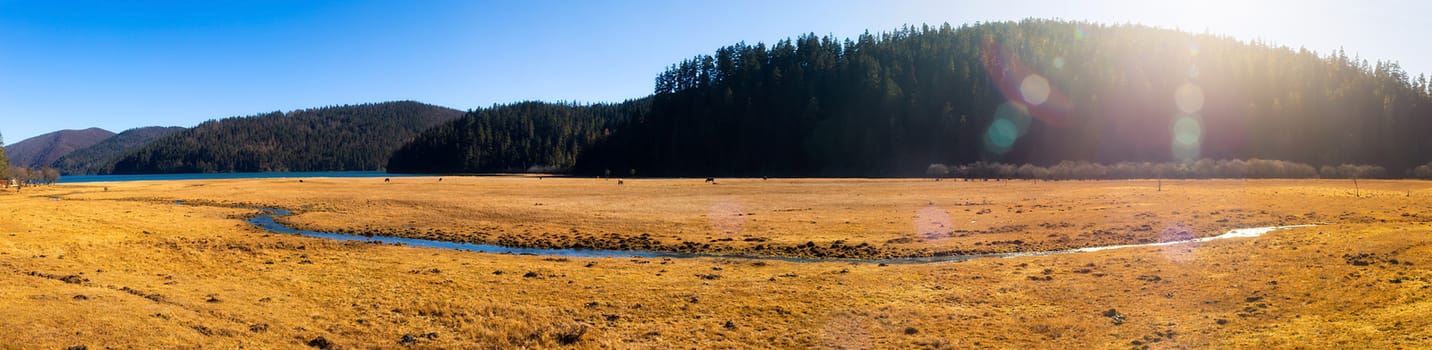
x=337, y=138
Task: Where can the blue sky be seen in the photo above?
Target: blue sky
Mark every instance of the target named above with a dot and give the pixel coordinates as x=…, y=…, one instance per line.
x=124, y=64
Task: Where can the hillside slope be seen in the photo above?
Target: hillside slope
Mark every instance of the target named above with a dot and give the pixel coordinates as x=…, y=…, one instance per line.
x=100, y=157
x=41, y=151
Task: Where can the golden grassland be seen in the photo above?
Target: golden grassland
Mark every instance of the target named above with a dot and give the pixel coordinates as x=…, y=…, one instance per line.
x=798, y=217
x=118, y=265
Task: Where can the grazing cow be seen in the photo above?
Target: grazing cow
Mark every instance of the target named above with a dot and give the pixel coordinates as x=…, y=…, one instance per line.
x=619, y=182
x=712, y=180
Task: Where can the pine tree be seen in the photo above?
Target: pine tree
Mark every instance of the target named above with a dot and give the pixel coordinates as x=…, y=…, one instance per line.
x=4, y=163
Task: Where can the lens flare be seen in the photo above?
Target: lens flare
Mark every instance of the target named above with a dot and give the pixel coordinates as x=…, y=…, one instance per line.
x=1059, y=63
x=932, y=222
x=1034, y=89
x=1187, y=138
x=1011, y=121
x=1179, y=253
x=846, y=331
x=1000, y=136
x=1020, y=84
x=727, y=217
x=1189, y=98
x=1017, y=114
x=1187, y=131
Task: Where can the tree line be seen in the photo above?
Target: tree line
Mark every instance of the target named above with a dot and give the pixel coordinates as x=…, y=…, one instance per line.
x=1423, y=171
x=1200, y=169
x=4, y=164
x=26, y=176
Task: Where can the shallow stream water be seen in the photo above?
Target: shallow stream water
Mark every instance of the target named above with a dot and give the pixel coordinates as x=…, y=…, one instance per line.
x=267, y=221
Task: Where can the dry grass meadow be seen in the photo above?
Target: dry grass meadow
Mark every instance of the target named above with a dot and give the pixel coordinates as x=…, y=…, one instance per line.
x=119, y=265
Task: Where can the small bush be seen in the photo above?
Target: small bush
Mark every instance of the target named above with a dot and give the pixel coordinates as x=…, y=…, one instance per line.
x=1032, y=172
x=937, y=170
x=1359, y=171
x=569, y=334
x=1423, y=171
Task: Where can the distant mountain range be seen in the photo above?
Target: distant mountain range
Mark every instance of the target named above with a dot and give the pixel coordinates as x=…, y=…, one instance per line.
x=42, y=151
x=100, y=158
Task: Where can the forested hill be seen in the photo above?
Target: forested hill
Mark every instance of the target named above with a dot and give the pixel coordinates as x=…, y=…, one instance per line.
x=40, y=151
x=100, y=157
x=1036, y=91
x=349, y=137
x=518, y=137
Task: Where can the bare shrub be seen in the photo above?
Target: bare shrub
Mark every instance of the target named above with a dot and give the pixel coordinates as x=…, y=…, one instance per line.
x=1005, y=171
x=937, y=170
x=1029, y=171
x=569, y=334
x=1360, y=171
x=1423, y=171
x=1328, y=172
x=1231, y=169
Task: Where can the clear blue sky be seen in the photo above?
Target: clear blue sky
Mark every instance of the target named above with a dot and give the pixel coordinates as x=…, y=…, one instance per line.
x=123, y=64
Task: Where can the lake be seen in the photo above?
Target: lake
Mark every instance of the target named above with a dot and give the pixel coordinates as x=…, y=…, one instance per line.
x=217, y=176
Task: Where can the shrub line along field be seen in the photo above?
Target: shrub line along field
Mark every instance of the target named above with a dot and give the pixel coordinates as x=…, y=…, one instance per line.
x=267, y=221
x=119, y=265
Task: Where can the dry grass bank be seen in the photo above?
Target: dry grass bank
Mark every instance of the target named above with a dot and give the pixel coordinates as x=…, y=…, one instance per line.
x=119, y=269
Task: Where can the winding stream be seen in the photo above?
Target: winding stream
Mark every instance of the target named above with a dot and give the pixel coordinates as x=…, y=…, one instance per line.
x=267, y=221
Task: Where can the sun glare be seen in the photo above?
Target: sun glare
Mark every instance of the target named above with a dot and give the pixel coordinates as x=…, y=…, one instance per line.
x=1035, y=89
